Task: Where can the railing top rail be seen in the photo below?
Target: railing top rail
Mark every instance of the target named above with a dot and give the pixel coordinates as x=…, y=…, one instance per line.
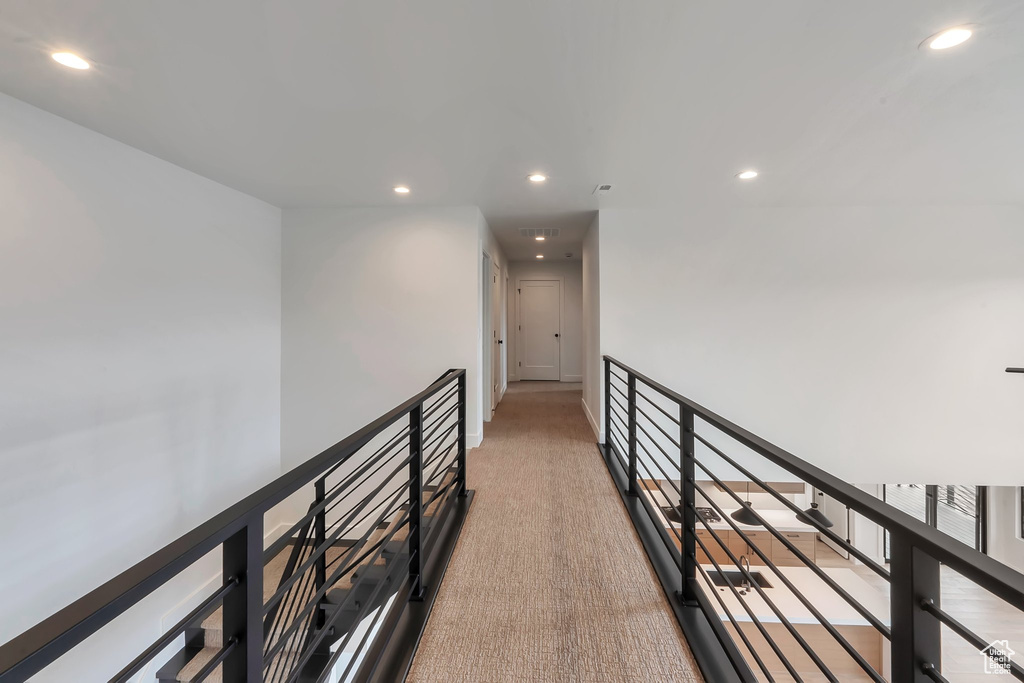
x=994, y=576
x=71, y=625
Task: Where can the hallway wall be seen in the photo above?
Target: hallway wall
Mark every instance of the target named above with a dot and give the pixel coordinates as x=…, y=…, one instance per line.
x=871, y=341
x=593, y=366
x=378, y=302
x=140, y=393
x=571, y=348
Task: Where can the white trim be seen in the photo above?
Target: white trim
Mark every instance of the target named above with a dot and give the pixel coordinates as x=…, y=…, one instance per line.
x=1018, y=511
x=572, y=378
x=473, y=439
x=592, y=421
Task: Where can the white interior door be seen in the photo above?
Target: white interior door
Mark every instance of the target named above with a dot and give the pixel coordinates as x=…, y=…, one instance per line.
x=540, y=328
x=496, y=340
x=836, y=512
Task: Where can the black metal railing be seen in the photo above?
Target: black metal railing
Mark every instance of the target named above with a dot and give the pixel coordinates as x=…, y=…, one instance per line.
x=341, y=581
x=751, y=572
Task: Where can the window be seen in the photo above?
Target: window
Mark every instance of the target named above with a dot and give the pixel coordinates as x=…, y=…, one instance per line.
x=959, y=511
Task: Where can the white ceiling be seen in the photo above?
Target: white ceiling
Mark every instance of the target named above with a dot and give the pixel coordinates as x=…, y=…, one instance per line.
x=324, y=102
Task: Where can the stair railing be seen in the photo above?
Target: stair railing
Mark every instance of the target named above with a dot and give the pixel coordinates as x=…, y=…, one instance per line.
x=378, y=524
x=671, y=456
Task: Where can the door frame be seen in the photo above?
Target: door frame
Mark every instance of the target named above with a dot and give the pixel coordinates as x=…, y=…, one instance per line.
x=504, y=336
x=488, y=401
x=561, y=319
x=485, y=341
x=497, y=341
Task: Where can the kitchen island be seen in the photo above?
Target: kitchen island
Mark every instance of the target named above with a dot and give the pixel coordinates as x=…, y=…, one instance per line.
x=803, y=536
x=850, y=623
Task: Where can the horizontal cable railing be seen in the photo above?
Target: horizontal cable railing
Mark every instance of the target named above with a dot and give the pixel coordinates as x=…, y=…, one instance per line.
x=319, y=601
x=777, y=609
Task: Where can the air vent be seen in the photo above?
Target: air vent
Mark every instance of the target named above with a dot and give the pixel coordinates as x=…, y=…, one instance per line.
x=602, y=189
x=538, y=232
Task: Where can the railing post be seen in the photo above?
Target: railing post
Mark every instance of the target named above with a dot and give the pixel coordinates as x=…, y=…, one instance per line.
x=687, y=476
x=319, y=538
x=243, y=606
x=631, y=404
x=416, y=502
x=916, y=634
x=607, y=406
x=461, y=486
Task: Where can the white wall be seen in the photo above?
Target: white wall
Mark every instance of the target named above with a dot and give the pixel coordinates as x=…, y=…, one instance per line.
x=1004, y=537
x=593, y=366
x=870, y=341
x=139, y=366
x=571, y=347
x=378, y=302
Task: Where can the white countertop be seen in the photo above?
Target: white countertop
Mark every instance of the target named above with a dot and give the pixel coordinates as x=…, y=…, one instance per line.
x=833, y=607
x=782, y=520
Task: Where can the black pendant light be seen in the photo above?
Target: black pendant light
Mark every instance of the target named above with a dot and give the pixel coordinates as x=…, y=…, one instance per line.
x=814, y=516
x=745, y=515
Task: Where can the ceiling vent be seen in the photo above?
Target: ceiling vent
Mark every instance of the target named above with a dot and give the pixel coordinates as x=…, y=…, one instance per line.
x=602, y=189
x=538, y=232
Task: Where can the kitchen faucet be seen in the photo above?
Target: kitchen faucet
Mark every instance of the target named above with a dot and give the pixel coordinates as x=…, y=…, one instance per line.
x=745, y=570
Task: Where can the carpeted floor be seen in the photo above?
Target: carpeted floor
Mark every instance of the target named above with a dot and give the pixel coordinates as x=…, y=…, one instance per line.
x=549, y=581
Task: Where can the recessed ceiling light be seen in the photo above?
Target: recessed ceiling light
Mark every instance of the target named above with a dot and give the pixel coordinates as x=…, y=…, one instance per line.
x=746, y=175
x=70, y=59
x=402, y=189
x=951, y=37
x=536, y=177
x=540, y=255
x=539, y=238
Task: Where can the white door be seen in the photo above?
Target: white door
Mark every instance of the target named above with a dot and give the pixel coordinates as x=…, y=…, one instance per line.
x=837, y=513
x=496, y=340
x=540, y=328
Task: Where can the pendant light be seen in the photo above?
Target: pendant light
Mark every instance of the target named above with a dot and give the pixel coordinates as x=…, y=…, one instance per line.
x=745, y=515
x=814, y=516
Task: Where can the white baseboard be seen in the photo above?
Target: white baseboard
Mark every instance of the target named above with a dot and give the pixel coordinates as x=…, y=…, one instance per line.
x=592, y=421
x=572, y=378
x=473, y=439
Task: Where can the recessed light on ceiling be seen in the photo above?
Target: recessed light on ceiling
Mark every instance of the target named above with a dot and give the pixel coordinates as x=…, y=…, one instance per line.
x=540, y=255
x=536, y=177
x=951, y=37
x=747, y=175
x=402, y=189
x=540, y=238
x=70, y=60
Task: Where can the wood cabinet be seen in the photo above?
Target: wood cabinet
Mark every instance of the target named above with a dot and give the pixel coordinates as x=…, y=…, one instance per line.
x=773, y=548
x=802, y=541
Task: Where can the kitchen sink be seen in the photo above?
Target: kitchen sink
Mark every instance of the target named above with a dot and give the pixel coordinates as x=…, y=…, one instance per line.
x=672, y=514
x=737, y=578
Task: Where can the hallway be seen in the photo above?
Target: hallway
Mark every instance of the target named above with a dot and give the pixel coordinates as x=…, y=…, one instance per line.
x=549, y=580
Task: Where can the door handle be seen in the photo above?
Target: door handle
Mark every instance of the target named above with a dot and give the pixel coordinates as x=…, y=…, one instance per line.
x=556, y=334
x=499, y=341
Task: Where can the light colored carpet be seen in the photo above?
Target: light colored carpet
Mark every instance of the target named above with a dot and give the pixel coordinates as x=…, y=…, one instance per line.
x=549, y=581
